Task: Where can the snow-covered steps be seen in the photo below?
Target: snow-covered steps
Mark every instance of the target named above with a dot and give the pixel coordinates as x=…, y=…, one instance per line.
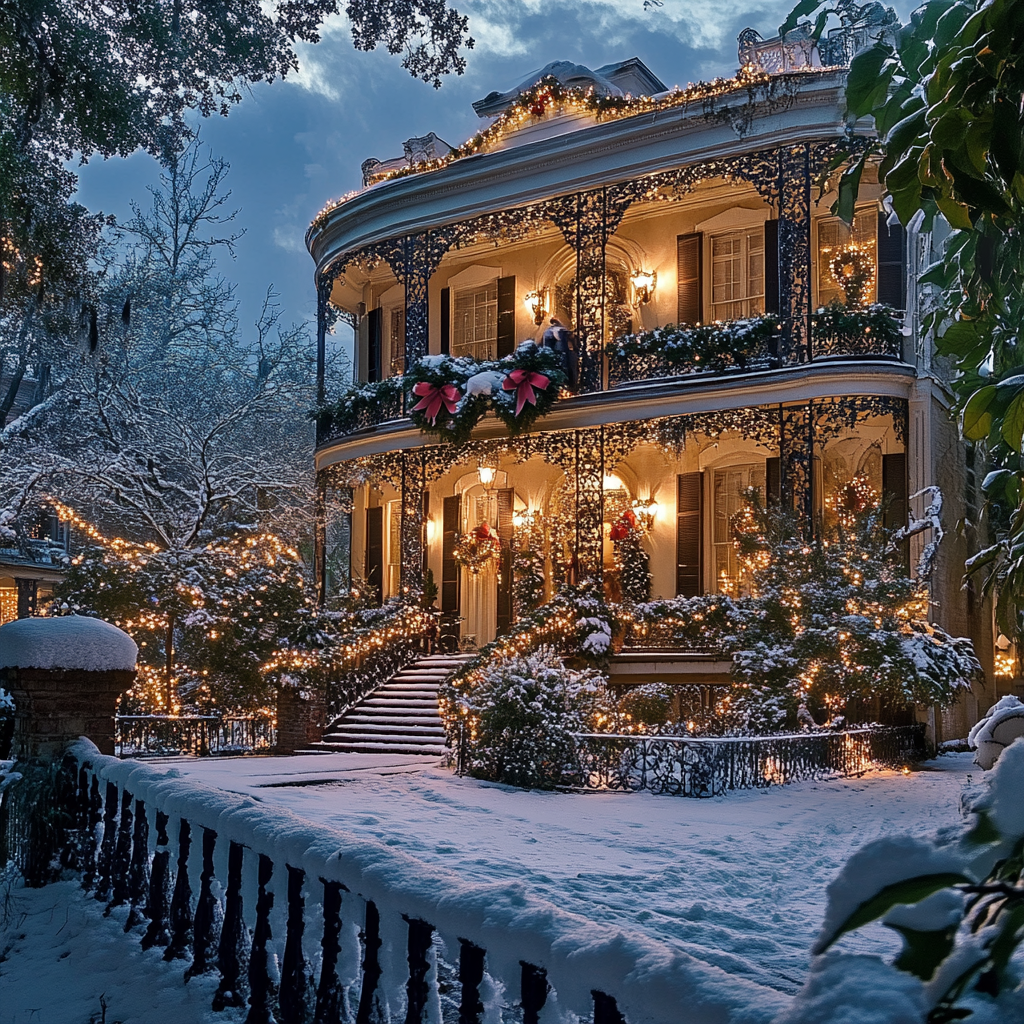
x=400, y=717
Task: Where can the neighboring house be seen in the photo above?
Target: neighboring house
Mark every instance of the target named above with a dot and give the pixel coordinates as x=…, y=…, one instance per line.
x=622, y=215
x=30, y=565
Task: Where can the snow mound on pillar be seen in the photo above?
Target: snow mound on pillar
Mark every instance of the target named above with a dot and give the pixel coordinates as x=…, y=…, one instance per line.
x=1002, y=724
x=66, y=642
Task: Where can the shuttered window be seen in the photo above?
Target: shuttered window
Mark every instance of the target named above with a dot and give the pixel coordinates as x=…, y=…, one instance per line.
x=737, y=274
x=374, y=564
x=689, y=278
x=506, y=315
x=446, y=321
x=689, y=534
x=451, y=511
x=475, y=322
x=892, y=263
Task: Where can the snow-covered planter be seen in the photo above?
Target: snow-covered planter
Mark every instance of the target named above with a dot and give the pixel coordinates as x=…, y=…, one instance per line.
x=1002, y=724
x=956, y=900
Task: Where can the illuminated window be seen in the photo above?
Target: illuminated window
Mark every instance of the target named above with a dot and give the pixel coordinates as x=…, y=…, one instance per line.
x=8, y=604
x=475, y=322
x=737, y=274
x=394, y=548
x=396, y=337
x=836, y=240
x=728, y=486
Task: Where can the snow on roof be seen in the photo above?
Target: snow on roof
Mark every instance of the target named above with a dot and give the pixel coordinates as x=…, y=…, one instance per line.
x=66, y=641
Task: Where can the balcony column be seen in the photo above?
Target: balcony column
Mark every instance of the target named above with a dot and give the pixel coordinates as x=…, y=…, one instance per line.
x=796, y=460
x=320, y=539
x=795, y=249
x=414, y=485
x=589, y=467
x=421, y=255
x=586, y=220
x=323, y=295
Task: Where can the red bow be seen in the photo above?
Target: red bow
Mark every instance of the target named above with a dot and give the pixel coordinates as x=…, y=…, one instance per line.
x=522, y=382
x=433, y=396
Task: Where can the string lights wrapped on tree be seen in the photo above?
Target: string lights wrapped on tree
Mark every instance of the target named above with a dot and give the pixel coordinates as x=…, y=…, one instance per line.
x=632, y=561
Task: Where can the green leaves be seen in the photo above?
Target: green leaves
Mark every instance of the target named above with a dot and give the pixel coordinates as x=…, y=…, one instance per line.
x=910, y=890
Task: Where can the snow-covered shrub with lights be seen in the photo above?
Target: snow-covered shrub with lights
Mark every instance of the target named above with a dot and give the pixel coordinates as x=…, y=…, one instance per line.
x=645, y=708
x=521, y=712
x=527, y=581
x=632, y=562
x=834, y=620
x=957, y=902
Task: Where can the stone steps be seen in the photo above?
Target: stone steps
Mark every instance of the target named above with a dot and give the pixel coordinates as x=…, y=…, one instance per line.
x=399, y=717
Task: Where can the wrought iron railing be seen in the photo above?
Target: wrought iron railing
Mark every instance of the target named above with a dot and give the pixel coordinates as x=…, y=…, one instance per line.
x=711, y=766
x=429, y=948
x=200, y=735
x=742, y=346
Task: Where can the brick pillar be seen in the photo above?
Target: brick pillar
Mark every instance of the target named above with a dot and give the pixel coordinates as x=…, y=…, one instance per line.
x=300, y=720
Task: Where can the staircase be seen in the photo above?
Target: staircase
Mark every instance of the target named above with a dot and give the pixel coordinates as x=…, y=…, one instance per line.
x=400, y=717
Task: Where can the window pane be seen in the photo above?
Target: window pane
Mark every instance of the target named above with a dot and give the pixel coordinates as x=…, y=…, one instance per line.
x=737, y=274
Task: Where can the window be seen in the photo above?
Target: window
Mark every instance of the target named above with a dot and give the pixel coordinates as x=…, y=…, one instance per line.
x=737, y=274
x=834, y=238
x=394, y=548
x=728, y=487
x=475, y=322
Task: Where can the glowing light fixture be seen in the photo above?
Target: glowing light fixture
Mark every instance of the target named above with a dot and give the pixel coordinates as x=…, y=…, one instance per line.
x=643, y=286
x=486, y=474
x=536, y=303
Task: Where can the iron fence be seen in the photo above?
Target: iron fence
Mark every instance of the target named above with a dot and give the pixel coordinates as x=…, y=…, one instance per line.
x=200, y=735
x=712, y=766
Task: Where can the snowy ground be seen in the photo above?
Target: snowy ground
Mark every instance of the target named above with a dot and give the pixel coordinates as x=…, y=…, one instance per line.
x=738, y=882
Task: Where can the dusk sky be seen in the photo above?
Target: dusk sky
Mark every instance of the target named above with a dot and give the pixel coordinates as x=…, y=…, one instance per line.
x=294, y=145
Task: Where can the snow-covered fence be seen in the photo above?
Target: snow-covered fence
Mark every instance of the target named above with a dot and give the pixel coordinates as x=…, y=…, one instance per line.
x=139, y=735
x=710, y=766
x=305, y=923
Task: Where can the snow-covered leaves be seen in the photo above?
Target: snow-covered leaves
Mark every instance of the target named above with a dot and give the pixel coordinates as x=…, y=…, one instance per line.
x=957, y=902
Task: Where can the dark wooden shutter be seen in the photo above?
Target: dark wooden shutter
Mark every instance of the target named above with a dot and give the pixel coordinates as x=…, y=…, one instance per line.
x=772, y=300
x=506, y=496
x=373, y=346
x=773, y=481
x=892, y=264
x=374, y=567
x=690, y=535
x=689, y=278
x=446, y=321
x=506, y=316
x=896, y=493
x=451, y=510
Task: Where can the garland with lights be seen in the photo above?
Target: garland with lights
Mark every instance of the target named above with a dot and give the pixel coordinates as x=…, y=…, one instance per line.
x=632, y=562
x=841, y=330
x=710, y=348
x=548, y=98
x=853, y=269
x=478, y=550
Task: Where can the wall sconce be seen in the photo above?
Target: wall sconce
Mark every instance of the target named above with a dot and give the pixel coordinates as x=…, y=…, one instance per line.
x=643, y=286
x=537, y=305
x=486, y=474
x=646, y=511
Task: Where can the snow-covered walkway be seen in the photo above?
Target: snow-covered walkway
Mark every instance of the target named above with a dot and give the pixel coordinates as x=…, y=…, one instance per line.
x=738, y=881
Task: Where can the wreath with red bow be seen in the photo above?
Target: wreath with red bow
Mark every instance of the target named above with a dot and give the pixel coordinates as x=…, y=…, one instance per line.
x=478, y=549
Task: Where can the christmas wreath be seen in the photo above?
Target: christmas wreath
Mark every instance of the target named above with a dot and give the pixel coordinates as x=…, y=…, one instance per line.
x=853, y=269
x=439, y=399
x=533, y=376
x=478, y=549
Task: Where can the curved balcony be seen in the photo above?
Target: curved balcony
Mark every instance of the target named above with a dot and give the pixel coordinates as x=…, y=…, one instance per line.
x=656, y=365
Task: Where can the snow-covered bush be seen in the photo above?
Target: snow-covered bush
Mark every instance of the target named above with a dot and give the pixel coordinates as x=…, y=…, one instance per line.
x=1002, y=724
x=6, y=723
x=644, y=708
x=521, y=712
x=956, y=900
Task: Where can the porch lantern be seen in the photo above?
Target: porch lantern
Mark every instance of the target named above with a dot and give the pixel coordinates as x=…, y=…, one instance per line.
x=537, y=305
x=486, y=475
x=643, y=286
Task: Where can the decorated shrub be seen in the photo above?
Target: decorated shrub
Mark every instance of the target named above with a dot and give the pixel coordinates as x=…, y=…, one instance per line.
x=632, y=562
x=646, y=708
x=527, y=581
x=521, y=712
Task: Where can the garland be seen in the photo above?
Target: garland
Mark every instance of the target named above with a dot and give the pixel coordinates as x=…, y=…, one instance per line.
x=841, y=321
x=358, y=404
x=711, y=348
x=449, y=396
x=549, y=97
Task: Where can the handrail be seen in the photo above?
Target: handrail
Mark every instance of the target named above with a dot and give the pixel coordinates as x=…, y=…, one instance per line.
x=421, y=926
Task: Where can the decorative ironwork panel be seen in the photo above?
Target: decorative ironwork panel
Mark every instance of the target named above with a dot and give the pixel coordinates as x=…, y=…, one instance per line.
x=794, y=170
x=413, y=486
x=796, y=452
x=590, y=503
x=835, y=416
